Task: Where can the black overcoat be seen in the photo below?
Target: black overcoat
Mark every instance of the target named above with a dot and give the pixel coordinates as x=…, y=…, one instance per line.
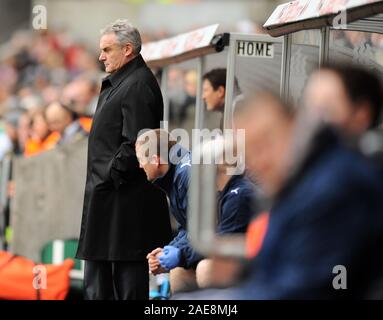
x=124, y=215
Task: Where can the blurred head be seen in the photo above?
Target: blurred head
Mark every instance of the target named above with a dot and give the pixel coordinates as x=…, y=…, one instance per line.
x=24, y=129
x=120, y=42
x=58, y=117
x=268, y=125
x=191, y=83
x=11, y=122
x=148, y=151
x=348, y=97
x=39, y=126
x=50, y=94
x=79, y=93
x=213, y=89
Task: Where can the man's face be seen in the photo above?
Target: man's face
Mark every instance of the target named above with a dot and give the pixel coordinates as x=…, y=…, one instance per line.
x=213, y=98
x=326, y=98
x=113, y=55
x=268, y=133
x=149, y=164
x=40, y=127
x=57, y=118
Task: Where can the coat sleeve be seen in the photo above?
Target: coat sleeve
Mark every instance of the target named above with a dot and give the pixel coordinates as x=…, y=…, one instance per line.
x=189, y=257
x=309, y=237
x=178, y=240
x=140, y=110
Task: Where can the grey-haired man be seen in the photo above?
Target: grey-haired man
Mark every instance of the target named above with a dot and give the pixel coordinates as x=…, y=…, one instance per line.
x=124, y=215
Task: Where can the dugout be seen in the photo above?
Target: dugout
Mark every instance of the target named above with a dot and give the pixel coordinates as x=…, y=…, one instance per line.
x=305, y=34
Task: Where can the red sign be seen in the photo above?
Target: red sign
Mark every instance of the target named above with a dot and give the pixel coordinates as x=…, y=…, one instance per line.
x=179, y=44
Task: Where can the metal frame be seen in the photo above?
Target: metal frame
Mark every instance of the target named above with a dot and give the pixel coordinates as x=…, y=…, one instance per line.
x=324, y=47
x=373, y=24
x=164, y=89
x=200, y=107
x=285, y=72
x=5, y=173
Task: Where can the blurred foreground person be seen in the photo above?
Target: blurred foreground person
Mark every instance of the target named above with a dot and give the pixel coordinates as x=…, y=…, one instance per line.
x=351, y=99
x=346, y=96
x=167, y=164
x=325, y=229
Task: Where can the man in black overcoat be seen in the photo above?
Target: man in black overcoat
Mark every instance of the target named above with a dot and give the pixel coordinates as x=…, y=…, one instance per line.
x=124, y=215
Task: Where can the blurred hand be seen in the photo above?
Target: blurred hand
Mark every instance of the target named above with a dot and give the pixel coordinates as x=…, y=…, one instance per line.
x=11, y=189
x=170, y=257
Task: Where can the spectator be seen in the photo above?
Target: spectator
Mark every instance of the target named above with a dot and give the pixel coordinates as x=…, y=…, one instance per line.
x=65, y=121
x=81, y=95
x=12, y=121
x=24, y=130
x=41, y=139
x=326, y=215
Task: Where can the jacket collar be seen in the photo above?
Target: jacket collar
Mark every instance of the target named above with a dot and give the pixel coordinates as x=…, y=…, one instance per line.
x=177, y=155
x=229, y=185
x=115, y=78
x=323, y=139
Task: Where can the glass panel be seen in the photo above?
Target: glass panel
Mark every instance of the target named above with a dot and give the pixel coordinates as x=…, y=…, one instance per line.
x=182, y=90
x=304, y=59
x=362, y=48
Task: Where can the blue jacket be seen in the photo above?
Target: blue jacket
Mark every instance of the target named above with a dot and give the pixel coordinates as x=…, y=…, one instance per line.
x=331, y=213
x=235, y=204
x=175, y=183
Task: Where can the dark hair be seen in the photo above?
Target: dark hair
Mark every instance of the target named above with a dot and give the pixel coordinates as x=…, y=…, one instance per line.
x=361, y=85
x=217, y=78
x=74, y=115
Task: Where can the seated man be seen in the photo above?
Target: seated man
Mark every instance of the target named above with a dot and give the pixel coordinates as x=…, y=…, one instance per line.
x=170, y=171
x=325, y=228
x=214, y=90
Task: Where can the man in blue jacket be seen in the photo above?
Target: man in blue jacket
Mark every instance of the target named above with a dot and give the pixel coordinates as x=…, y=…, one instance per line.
x=170, y=171
x=325, y=232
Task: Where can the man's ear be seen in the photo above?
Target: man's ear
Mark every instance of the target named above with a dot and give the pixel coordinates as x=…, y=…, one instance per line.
x=129, y=50
x=363, y=116
x=221, y=91
x=156, y=160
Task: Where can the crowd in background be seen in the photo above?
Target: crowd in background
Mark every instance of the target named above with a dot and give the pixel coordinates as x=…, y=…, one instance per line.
x=40, y=69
